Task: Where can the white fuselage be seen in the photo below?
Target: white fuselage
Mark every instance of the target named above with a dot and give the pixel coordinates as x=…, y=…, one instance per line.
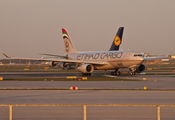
x=114, y=59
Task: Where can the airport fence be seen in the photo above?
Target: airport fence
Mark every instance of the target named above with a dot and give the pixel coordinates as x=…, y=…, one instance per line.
x=84, y=107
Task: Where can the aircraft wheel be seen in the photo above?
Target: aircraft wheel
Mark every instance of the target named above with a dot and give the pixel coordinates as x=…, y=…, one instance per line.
x=133, y=73
x=118, y=73
x=112, y=73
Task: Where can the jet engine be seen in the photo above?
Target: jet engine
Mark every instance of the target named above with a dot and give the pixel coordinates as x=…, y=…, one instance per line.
x=54, y=63
x=86, y=68
x=62, y=64
x=140, y=69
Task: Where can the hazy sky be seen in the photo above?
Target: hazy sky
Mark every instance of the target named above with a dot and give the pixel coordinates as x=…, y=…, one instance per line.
x=29, y=27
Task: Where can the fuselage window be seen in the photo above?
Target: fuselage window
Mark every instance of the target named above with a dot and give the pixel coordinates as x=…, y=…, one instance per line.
x=138, y=55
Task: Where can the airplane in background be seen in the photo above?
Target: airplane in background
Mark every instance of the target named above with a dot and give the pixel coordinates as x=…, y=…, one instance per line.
x=87, y=62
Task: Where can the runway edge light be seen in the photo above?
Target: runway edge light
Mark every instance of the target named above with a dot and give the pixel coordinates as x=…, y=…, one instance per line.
x=84, y=78
x=1, y=78
x=73, y=88
x=71, y=77
x=145, y=88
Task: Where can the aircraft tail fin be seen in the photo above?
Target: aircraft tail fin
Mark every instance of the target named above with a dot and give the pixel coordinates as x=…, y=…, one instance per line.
x=117, y=40
x=69, y=47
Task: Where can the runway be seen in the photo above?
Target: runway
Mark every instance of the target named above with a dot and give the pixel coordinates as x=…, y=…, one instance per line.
x=160, y=92
x=159, y=85
x=86, y=97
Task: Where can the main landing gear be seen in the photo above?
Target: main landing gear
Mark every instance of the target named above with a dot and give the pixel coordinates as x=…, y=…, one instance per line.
x=116, y=72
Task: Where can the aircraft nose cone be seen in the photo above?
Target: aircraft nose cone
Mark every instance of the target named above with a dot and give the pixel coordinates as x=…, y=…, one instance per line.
x=140, y=59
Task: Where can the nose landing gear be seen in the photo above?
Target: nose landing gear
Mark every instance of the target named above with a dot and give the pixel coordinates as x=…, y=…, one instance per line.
x=132, y=71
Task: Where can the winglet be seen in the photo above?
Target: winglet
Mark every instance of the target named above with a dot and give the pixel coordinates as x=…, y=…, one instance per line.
x=6, y=55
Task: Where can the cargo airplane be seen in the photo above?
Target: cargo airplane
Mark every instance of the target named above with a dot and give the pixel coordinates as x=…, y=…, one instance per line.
x=87, y=62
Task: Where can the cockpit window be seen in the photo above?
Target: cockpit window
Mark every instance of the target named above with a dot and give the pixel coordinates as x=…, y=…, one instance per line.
x=138, y=55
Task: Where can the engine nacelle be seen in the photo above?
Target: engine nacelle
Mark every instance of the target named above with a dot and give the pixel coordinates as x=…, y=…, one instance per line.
x=140, y=69
x=62, y=64
x=86, y=68
x=54, y=63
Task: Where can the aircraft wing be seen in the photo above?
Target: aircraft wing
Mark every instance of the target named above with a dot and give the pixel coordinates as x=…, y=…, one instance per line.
x=54, y=55
x=154, y=58
x=60, y=60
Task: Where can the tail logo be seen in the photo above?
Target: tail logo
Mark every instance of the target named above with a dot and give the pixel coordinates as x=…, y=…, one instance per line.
x=67, y=46
x=117, y=41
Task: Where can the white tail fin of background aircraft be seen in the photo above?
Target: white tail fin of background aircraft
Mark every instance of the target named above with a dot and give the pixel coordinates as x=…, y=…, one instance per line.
x=69, y=47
